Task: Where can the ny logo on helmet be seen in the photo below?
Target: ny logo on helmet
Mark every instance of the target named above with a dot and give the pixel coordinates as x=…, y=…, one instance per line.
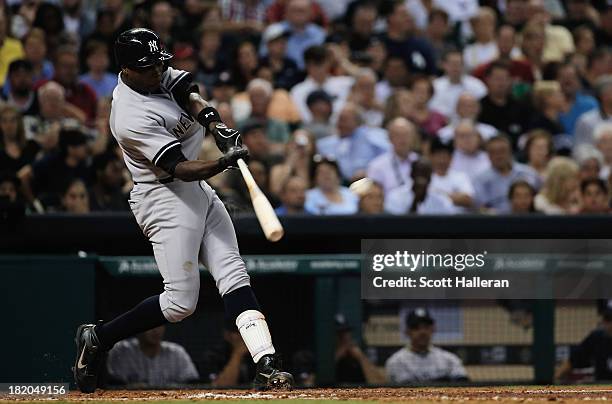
x=153, y=46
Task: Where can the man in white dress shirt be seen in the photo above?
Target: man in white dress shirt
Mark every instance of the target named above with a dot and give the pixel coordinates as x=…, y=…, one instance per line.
x=392, y=169
x=449, y=87
x=468, y=107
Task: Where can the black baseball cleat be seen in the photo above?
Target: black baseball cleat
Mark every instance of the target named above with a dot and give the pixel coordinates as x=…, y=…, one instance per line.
x=270, y=377
x=88, y=360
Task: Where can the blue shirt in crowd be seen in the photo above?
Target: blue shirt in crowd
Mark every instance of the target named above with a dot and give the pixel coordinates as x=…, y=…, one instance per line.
x=318, y=204
x=298, y=42
x=104, y=87
x=582, y=104
x=492, y=187
x=354, y=152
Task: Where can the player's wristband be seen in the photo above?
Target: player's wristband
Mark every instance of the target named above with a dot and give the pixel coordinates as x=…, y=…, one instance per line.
x=207, y=116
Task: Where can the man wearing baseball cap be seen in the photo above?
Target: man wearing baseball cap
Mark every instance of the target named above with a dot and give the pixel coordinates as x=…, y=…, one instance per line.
x=285, y=71
x=420, y=361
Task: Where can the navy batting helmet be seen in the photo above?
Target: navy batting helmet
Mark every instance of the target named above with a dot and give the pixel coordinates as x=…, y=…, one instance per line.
x=139, y=47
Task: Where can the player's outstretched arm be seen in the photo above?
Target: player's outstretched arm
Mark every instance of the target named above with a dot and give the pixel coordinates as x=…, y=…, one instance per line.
x=225, y=138
x=196, y=170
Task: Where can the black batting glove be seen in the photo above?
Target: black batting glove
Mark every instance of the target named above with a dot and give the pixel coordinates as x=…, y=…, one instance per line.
x=230, y=159
x=226, y=138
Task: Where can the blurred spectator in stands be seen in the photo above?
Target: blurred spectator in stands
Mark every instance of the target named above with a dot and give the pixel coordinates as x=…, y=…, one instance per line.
x=533, y=37
x=284, y=70
x=245, y=64
x=161, y=20
x=106, y=192
x=603, y=34
x=484, y=48
x=50, y=173
x=55, y=112
x=223, y=89
x=520, y=70
x=549, y=103
x=260, y=94
x=298, y=154
x=577, y=102
x=454, y=184
x=355, y=145
x=593, y=352
x=400, y=104
x=521, y=195
x=303, y=33
x=49, y=17
x=417, y=196
x=584, y=39
x=246, y=16
x=352, y=365
x=19, y=88
x=392, y=169
x=328, y=197
x=395, y=78
x=318, y=64
x=35, y=50
x=97, y=76
x=15, y=151
x=363, y=22
x=428, y=120
x=468, y=157
x=498, y=108
x=468, y=108
x=74, y=197
x=10, y=48
x=185, y=59
x=12, y=205
x=561, y=191
x=9, y=188
x=594, y=193
x=363, y=94
x=79, y=20
x=539, y=149
x=588, y=121
x=80, y=95
x=599, y=65
x=516, y=13
x=603, y=140
x=421, y=361
x=401, y=40
x=211, y=60
x=148, y=361
x=558, y=41
x=255, y=139
x=449, y=87
x=579, y=12
x=438, y=33
x=372, y=201
x=320, y=105
x=590, y=161
x=492, y=185
x=292, y=196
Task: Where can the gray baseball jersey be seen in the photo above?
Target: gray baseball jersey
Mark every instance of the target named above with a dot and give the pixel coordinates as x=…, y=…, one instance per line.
x=185, y=222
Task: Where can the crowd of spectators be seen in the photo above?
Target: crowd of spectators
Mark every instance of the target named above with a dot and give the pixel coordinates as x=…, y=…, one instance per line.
x=450, y=107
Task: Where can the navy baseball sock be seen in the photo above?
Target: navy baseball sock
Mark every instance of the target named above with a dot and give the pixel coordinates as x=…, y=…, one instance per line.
x=239, y=301
x=146, y=315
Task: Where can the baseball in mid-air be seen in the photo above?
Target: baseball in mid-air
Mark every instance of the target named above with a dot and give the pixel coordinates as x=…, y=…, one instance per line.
x=361, y=187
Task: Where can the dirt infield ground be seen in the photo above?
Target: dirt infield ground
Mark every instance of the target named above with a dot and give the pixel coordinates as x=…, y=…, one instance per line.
x=561, y=394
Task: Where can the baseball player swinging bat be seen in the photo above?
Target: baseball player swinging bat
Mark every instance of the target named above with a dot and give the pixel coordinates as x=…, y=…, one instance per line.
x=159, y=121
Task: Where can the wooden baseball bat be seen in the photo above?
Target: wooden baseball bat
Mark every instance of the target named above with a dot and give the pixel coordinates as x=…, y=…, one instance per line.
x=265, y=214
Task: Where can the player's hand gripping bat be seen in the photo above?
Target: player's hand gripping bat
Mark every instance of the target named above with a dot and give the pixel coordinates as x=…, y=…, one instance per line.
x=265, y=214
